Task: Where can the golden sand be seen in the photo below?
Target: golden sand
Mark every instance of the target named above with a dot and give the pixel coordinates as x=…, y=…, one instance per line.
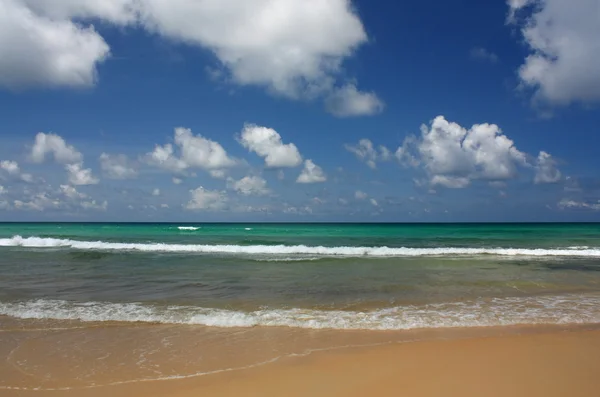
x=557, y=363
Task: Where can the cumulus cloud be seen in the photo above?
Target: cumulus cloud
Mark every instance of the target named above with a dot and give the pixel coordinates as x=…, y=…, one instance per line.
x=311, y=173
x=545, y=169
x=481, y=54
x=360, y=195
x=348, y=101
x=195, y=152
x=11, y=167
x=37, y=48
x=93, y=205
x=267, y=143
x=249, y=186
x=365, y=151
x=55, y=146
x=80, y=176
x=565, y=203
x=71, y=192
x=452, y=156
x=202, y=199
x=156, y=192
x=117, y=166
x=562, y=37
x=177, y=181
x=293, y=48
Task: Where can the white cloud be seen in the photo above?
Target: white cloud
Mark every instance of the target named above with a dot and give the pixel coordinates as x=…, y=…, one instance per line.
x=38, y=202
x=195, y=152
x=249, y=185
x=56, y=146
x=360, y=195
x=71, y=192
x=177, y=181
x=37, y=49
x=117, y=166
x=93, y=205
x=203, y=199
x=374, y=202
x=294, y=48
x=80, y=176
x=452, y=182
x=347, y=101
x=164, y=206
x=311, y=173
x=563, y=204
x=562, y=37
x=267, y=143
x=11, y=167
x=218, y=174
x=545, y=169
x=365, y=151
x=2, y=190
x=481, y=54
x=452, y=156
x=156, y=192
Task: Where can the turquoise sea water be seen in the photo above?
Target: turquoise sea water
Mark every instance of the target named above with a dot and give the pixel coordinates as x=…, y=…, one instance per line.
x=347, y=276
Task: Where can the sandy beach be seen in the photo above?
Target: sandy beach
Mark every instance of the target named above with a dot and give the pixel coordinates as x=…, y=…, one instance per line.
x=556, y=362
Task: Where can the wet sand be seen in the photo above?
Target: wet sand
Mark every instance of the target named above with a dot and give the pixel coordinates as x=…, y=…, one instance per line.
x=550, y=362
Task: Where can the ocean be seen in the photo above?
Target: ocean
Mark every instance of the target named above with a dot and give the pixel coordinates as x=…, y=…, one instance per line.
x=223, y=285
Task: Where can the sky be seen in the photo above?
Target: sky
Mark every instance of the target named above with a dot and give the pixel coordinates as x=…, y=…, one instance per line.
x=299, y=110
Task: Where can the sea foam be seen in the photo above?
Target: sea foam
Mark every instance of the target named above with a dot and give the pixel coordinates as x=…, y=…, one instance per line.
x=39, y=242
x=565, y=309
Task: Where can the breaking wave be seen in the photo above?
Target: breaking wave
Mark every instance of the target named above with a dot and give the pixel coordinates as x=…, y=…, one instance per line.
x=39, y=242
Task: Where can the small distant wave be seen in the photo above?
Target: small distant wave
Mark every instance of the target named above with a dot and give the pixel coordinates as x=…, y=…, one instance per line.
x=286, y=250
x=247, y=228
x=189, y=228
x=565, y=309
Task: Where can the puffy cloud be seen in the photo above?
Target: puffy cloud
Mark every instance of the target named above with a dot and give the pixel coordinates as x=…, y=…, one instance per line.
x=249, y=185
x=348, y=101
x=365, y=151
x=562, y=37
x=545, y=169
x=481, y=54
x=452, y=182
x=80, y=176
x=156, y=192
x=267, y=143
x=218, y=174
x=117, y=166
x=452, y=156
x=203, y=199
x=71, y=192
x=93, y=205
x=38, y=49
x=2, y=190
x=563, y=204
x=360, y=195
x=196, y=152
x=11, y=167
x=374, y=202
x=177, y=181
x=13, y=170
x=56, y=146
x=294, y=48
x=311, y=173
x=38, y=202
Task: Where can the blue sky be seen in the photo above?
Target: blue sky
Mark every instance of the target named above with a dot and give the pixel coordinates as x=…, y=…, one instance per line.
x=298, y=110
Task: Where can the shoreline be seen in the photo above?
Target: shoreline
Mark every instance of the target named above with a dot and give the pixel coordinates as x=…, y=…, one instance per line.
x=444, y=354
